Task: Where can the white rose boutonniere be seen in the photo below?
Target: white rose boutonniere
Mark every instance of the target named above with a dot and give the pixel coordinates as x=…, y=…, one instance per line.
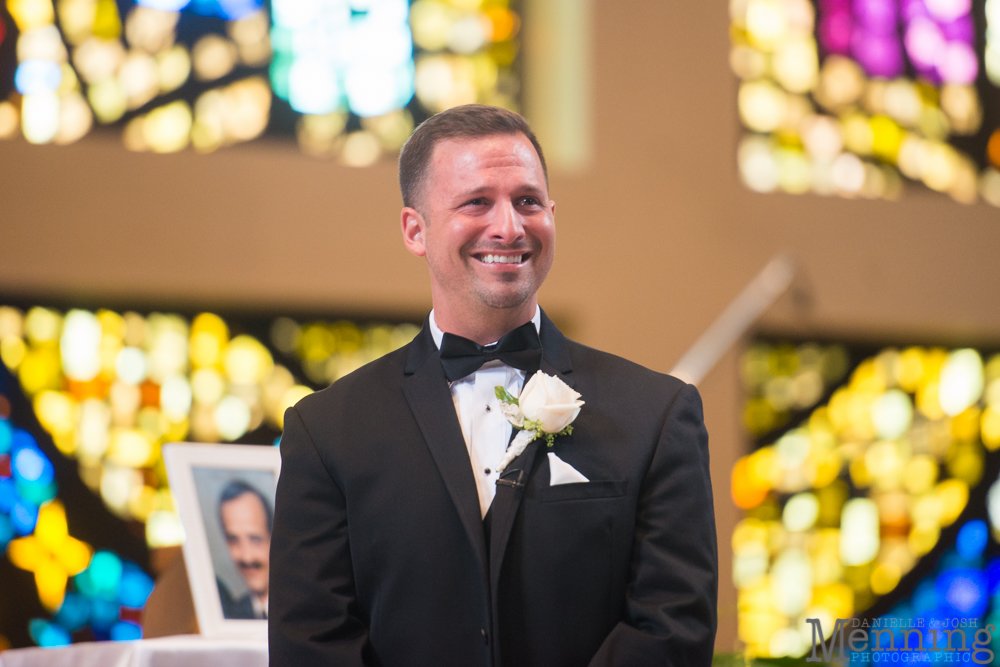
x=547, y=408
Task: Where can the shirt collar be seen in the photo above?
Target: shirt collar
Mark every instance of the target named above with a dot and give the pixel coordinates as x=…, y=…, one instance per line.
x=259, y=608
x=438, y=334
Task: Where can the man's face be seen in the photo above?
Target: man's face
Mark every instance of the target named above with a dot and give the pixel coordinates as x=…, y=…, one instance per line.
x=486, y=224
x=244, y=525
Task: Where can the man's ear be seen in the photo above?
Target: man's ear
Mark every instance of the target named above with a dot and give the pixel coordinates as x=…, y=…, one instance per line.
x=413, y=226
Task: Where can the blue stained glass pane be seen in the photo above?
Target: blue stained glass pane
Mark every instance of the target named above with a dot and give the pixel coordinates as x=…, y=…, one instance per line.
x=962, y=592
x=20, y=439
x=37, y=76
x=105, y=572
x=165, y=5
x=47, y=635
x=135, y=586
x=32, y=466
x=125, y=631
x=971, y=540
x=204, y=7
x=74, y=612
x=6, y=436
x=993, y=575
x=237, y=9
x=36, y=492
x=925, y=597
x=24, y=516
x=104, y=614
x=85, y=584
x=6, y=530
x=8, y=495
x=280, y=67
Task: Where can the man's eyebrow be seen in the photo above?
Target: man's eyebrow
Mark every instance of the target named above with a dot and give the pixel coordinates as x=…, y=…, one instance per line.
x=473, y=192
x=533, y=190
x=524, y=188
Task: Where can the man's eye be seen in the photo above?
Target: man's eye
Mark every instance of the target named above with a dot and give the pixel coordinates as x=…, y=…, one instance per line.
x=528, y=201
x=478, y=201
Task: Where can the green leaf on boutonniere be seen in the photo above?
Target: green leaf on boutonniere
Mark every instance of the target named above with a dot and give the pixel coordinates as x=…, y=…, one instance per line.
x=504, y=396
x=550, y=438
x=529, y=425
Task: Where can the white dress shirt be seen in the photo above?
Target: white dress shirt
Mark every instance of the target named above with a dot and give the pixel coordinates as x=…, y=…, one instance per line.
x=484, y=427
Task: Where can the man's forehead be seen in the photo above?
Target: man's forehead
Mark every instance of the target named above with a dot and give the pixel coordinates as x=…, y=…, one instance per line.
x=466, y=160
x=244, y=502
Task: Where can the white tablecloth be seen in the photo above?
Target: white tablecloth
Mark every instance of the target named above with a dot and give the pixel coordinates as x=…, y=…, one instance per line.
x=180, y=651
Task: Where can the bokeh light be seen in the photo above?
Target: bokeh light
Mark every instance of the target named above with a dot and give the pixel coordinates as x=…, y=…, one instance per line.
x=349, y=79
x=110, y=388
x=35, y=532
x=855, y=480
x=878, y=92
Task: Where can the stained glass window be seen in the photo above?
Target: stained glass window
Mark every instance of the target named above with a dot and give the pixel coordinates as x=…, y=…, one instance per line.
x=870, y=488
x=82, y=592
x=107, y=388
x=861, y=97
x=349, y=78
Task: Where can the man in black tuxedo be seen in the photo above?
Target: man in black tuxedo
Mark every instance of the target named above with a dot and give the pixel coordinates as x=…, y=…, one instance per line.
x=395, y=540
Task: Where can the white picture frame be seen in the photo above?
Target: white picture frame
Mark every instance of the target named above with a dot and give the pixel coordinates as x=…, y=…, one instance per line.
x=196, y=472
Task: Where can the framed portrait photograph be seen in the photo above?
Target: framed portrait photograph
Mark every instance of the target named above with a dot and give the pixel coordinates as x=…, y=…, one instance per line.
x=225, y=499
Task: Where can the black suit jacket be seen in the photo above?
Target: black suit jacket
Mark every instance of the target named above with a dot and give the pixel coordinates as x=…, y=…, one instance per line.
x=379, y=557
x=234, y=608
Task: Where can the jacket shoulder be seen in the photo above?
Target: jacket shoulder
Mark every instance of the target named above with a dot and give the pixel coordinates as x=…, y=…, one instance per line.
x=619, y=373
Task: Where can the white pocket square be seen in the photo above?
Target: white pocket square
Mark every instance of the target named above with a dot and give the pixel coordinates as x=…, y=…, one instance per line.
x=563, y=473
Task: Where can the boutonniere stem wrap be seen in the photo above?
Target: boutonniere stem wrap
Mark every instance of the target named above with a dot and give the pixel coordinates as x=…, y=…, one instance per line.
x=546, y=409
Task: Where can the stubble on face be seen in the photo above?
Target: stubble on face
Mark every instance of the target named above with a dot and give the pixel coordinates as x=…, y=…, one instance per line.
x=513, y=289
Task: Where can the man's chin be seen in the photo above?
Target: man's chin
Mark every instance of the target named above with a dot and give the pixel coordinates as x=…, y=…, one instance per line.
x=506, y=299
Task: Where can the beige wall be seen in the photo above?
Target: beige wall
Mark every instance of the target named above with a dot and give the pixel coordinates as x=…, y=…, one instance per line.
x=654, y=238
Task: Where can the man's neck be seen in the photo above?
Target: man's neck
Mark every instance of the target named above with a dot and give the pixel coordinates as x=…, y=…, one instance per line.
x=487, y=325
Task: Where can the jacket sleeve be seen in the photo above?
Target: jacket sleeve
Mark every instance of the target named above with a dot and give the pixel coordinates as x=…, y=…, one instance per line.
x=673, y=587
x=313, y=617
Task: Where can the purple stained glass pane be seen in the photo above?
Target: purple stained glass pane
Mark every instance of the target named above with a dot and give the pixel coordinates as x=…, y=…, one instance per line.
x=879, y=55
x=878, y=17
x=959, y=30
x=911, y=9
x=925, y=43
x=835, y=32
x=929, y=74
x=959, y=64
x=949, y=10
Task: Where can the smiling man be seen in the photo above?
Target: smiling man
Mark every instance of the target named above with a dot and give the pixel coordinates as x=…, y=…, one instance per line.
x=245, y=517
x=397, y=541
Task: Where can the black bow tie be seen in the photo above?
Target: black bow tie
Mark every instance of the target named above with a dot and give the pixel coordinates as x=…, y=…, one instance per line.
x=520, y=349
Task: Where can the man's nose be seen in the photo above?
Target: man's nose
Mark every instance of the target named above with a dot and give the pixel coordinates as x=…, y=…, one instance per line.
x=507, y=226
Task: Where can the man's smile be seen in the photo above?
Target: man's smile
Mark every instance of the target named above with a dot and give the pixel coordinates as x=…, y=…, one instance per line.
x=503, y=260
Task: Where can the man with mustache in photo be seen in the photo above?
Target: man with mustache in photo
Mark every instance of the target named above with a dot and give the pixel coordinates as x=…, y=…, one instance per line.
x=245, y=517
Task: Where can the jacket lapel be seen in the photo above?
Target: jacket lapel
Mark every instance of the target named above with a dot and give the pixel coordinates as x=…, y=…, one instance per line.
x=426, y=391
x=555, y=361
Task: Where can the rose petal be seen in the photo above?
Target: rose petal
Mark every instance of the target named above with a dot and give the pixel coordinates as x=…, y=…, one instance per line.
x=555, y=418
x=533, y=396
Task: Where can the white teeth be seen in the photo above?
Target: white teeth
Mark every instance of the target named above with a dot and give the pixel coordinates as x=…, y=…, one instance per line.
x=502, y=259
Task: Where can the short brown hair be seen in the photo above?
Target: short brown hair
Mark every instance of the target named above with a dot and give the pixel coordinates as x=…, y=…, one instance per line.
x=466, y=121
